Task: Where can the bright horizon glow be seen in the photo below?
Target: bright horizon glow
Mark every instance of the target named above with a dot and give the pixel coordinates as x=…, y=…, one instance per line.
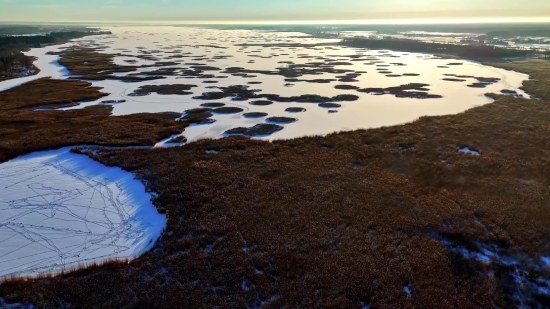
x=312, y=22
x=279, y=12
x=368, y=22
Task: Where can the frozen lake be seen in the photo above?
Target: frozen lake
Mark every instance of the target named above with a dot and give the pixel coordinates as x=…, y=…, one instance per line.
x=61, y=210
x=181, y=50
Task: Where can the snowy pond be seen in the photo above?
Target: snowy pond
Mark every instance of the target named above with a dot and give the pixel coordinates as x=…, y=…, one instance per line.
x=61, y=210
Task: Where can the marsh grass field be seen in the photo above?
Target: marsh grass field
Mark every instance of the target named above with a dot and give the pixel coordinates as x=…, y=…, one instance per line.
x=389, y=217
x=442, y=212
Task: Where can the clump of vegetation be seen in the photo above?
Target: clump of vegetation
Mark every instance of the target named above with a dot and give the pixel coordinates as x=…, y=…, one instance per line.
x=262, y=129
x=213, y=104
x=198, y=116
x=255, y=115
x=227, y=110
x=330, y=105
x=450, y=79
x=295, y=110
x=412, y=90
x=260, y=102
x=283, y=120
x=198, y=110
x=175, y=89
x=346, y=87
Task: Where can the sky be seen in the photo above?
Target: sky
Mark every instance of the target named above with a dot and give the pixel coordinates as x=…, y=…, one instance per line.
x=197, y=11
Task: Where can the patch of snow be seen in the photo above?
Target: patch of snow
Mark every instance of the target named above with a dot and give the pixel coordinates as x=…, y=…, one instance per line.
x=208, y=248
x=407, y=289
x=405, y=148
x=62, y=210
x=365, y=306
x=543, y=290
x=168, y=142
x=244, y=285
x=4, y=305
x=469, y=151
x=484, y=256
x=519, y=267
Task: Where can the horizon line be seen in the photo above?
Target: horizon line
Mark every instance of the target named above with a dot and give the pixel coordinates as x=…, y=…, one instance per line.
x=491, y=20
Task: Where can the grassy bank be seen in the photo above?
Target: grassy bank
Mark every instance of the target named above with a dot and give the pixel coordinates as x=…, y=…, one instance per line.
x=23, y=130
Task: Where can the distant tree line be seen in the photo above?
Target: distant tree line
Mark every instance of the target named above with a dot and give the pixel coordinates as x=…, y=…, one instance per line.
x=51, y=38
x=519, y=33
x=466, y=51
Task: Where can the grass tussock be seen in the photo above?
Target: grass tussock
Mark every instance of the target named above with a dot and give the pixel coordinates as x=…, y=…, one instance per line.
x=335, y=221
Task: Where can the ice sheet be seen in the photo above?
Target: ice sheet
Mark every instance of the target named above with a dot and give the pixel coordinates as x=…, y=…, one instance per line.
x=62, y=210
x=206, y=46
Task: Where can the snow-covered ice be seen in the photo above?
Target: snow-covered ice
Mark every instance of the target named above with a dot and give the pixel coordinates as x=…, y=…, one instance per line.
x=4, y=305
x=221, y=49
x=61, y=210
x=469, y=151
x=407, y=289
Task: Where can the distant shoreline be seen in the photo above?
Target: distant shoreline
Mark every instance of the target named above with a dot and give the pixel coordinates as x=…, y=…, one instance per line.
x=15, y=64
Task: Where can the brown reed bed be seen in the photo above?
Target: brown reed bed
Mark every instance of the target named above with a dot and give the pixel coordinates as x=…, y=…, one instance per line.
x=49, y=93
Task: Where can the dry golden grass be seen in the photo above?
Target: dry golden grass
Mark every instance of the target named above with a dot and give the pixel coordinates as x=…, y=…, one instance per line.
x=48, y=93
x=330, y=222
